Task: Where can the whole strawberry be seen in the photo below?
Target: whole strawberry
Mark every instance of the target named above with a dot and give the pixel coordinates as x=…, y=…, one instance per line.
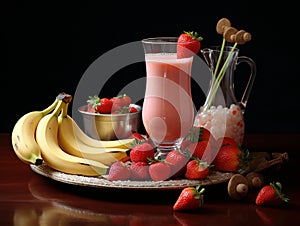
x=101, y=105
x=159, y=170
x=178, y=160
x=201, y=149
x=119, y=171
x=105, y=106
x=139, y=171
x=190, y=198
x=142, y=152
x=188, y=44
x=271, y=195
x=228, y=159
x=224, y=141
x=198, y=134
x=117, y=103
x=197, y=169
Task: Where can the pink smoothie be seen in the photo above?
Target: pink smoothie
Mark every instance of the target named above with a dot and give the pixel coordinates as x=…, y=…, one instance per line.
x=168, y=107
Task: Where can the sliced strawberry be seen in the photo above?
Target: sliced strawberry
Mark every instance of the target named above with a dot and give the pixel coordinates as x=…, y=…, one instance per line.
x=137, y=136
x=132, y=110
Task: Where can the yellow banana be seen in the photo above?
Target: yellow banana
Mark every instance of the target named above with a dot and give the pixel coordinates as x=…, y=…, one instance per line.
x=81, y=136
x=23, y=136
x=55, y=156
x=74, y=146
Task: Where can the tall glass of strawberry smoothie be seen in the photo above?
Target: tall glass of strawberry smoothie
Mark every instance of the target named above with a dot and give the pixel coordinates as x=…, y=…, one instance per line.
x=168, y=109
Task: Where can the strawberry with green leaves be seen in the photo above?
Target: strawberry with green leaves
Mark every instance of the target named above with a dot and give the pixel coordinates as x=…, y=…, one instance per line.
x=271, y=195
x=201, y=149
x=197, y=169
x=116, y=105
x=199, y=142
x=159, y=170
x=121, y=104
x=178, y=160
x=101, y=105
x=142, y=152
x=231, y=158
x=188, y=44
x=227, y=159
x=190, y=198
x=199, y=134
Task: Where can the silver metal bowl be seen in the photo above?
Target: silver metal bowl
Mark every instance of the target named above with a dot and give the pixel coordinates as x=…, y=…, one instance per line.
x=110, y=126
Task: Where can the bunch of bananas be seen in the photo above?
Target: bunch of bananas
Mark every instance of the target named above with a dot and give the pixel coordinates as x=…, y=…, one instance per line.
x=52, y=136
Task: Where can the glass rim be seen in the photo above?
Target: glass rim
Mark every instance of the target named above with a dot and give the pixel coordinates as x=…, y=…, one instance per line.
x=218, y=48
x=160, y=40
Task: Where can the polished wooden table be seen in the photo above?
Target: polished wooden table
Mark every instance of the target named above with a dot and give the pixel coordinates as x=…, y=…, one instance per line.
x=28, y=198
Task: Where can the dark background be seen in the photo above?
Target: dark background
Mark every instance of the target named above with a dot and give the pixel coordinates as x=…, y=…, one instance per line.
x=46, y=47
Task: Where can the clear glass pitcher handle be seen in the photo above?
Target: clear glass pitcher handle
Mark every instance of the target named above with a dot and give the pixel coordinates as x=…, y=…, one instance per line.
x=249, y=86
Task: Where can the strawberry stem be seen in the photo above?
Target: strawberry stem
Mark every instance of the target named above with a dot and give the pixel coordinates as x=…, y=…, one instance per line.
x=277, y=187
x=198, y=194
x=194, y=35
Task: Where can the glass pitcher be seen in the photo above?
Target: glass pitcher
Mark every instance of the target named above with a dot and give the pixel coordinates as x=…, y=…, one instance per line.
x=222, y=112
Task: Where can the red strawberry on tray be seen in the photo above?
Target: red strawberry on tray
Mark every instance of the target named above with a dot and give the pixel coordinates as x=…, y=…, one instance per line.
x=197, y=169
x=159, y=170
x=178, y=160
x=142, y=152
x=119, y=171
x=188, y=44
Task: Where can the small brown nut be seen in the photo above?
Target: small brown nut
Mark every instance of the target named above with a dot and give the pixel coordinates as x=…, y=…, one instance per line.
x=237, y=187
x=222, y=24
x=229, y=34
x=255, y=180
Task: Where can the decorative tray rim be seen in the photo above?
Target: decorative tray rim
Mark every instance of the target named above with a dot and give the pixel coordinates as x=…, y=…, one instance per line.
x=215, y=177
